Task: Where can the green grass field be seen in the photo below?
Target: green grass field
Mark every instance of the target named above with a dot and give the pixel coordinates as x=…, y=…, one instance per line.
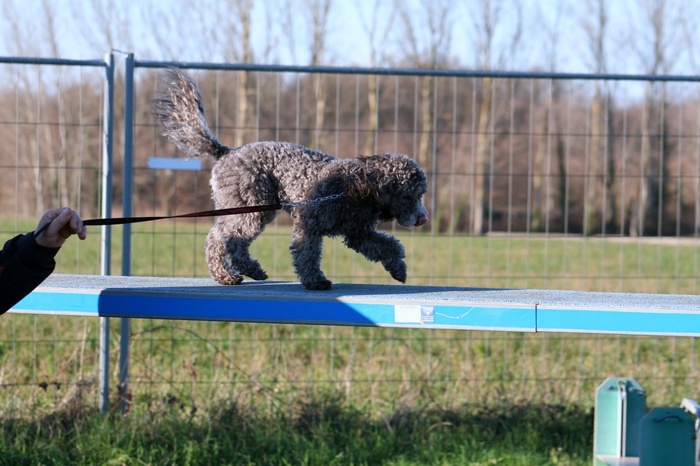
x=226, y=393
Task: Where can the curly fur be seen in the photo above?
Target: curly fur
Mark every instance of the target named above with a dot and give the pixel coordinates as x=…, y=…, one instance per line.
x=378, y=188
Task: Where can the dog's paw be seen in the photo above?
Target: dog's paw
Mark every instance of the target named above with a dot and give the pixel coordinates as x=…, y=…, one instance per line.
x=322, y=284
x=397, y=268
x=258, y=274
x=228, y=279
x=250, y=268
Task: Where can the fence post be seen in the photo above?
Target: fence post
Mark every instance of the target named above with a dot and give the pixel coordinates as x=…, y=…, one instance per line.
x=125, y=324
x=106, y=211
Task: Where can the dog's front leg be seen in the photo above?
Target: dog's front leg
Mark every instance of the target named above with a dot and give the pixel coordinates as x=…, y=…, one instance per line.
x=380, y=247
x=306, y=249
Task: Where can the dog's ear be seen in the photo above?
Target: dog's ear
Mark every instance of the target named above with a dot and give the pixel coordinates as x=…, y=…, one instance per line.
x=377, y=168
x=360, y=185
x=388, y=170
x=376, y=177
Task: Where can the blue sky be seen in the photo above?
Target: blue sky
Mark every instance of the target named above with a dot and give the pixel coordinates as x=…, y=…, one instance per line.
x=154, y=30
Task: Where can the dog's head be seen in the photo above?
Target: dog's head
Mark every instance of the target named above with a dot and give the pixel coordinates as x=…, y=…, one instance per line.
x=398, y=184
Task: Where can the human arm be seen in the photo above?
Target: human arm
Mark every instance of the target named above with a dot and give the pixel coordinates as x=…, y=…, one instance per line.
x=26, y=260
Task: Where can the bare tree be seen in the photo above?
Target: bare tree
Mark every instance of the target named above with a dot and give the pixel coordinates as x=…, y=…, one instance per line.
x=243, y=10
x=55, y=102
x=377, y=27
x=63, y=154
x=106, y=24
x=427, y=34
x=426, y=37
x=319, y=11
x=34, y=105
x=491, y=55
x=690, y=27
x=600, y=163
x=551, y=140
x=224, y=29
x=657, y=49
x=311, y=24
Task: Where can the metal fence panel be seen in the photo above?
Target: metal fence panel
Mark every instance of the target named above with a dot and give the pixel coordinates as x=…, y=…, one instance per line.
x=536, y=181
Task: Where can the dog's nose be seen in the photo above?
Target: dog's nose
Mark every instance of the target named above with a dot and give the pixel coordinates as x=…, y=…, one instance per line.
x=421, y=220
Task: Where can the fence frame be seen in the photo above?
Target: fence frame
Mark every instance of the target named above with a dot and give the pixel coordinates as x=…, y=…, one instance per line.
x=108, y=63
x=130, y=64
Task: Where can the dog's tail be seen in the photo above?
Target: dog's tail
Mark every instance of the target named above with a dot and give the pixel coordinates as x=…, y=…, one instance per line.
x=179, y=109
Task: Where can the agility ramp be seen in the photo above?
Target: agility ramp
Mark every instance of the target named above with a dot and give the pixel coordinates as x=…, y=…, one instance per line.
x=367, y=305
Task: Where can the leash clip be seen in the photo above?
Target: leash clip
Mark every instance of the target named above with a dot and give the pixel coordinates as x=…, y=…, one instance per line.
x=318, y=200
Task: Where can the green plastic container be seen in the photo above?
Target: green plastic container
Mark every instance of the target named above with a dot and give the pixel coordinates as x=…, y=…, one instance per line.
x=667, y=437
x=620, y=404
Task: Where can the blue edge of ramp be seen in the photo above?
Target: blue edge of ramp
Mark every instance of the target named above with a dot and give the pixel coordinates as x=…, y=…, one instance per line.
x=366, y=305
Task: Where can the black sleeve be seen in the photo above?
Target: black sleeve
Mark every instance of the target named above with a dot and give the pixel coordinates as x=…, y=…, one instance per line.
x=23, y=266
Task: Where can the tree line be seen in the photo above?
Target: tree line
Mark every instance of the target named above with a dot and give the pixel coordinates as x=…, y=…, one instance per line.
x=501, y=154
x=550, y=155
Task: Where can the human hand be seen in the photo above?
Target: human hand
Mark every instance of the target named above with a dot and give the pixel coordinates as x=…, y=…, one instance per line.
x=64, y=222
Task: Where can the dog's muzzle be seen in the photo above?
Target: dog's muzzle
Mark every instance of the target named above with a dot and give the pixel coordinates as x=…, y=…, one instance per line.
x=422, y=220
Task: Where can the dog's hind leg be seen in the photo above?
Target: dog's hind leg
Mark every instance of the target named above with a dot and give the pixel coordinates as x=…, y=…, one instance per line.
x=238, y=254
x=229, y=253
x=218, y=260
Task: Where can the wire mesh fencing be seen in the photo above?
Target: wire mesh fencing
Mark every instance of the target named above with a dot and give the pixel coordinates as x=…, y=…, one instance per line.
x=536, y=181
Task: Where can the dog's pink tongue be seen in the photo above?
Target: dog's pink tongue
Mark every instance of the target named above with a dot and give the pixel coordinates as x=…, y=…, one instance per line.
x=421, y=220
